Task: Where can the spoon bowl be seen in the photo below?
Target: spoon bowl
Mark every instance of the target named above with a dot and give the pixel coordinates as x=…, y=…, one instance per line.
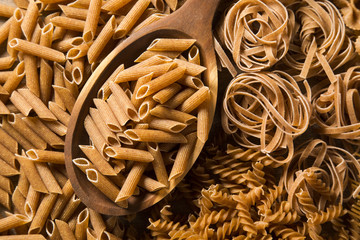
x=192, y=21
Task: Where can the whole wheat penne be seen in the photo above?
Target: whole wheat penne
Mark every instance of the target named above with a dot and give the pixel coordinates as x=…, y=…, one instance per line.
x=148, y=135
x=172, y=114
x=59, y=81
x=108, y=115
x=182, y=158
x=92, y=20
x=145, y=107
x=66, y=44
x=69, y=23
x=59, y=32
x=69, y=82
x=109, y=136
x=37, y=50
x=62, y=200
x=101, y=41
x=124, y=101
x=60, y=177
x=6, y=62
x=129, y=154
x=151, y=19
x=9, y=142
x=12, y=221
x=46, y=75
x=83, y=164
x=78, y=51
x=23, y=183
x=56, y=127
x=20, y=126
x=150, y=184
x=48, y=156
x=51, y=230
x=94, y=134
x=192, y=82
x=49, y=17
x=16, y=135
x=77, y=70
x=124, y=139
x=31, y=72
x=36, y=35
x=195, y=100
x=18, y=201
x=131, y=181
x=133, y=73
x=160, y=82
x=113, y=5
x=158, y=163
x=5, y=75
x=48, y=178
x=30, y=19
x=39, y=107
x=165, y=94
x=98, y=160
x=105, y=91
x=3, y=109
x=167, y=125
x=6, y=10
x=23, y=237
x=70, y=208
x=31, y=202
x=142, y=80
x=7, y=170
x=191, y=68
x=82, y=222
x=4, y=30
x=119, y=114
x=131, y=18
x=21, y=104
x=32, y=173
x=12, y=108
x=153, y=60
x=97, y=222
x=46, y=35
x=203, y=124
x=44, y=132
x=59, y=113
x=74, y=12
x=6, y=184
x=64, y=230
x=102, y=183
x=5, y=199
x=179, y=98
x=171, y=44
x=194, y=55
x=66, y=97
x=15, y=29
x=42, y=213
x=7, y=156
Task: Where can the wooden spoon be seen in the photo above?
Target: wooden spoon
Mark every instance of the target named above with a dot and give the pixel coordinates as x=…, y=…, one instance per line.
x=193, y=20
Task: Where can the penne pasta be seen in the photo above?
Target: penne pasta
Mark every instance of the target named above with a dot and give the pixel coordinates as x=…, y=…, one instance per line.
x=150, y=184
x=108, y=115
x=158, y=163
x=70, y=208
x=7, y=170
x=157, y=136
x=13, y=221
x=5, y=75
x=62, y=200
x=77, y=71
x=142, y=80
x=78, y=51
x=9, y=142
x=114, y=5
x=66, y=44
x=21, y=104
x=30, y=19
x=46, y=77
x=5, y=199
x=109, y=136
x=97, y=222
x=32, y=75
x=166, y=125
x=145, y=107
x=100, y=163
x=129, y=154
x=3, y=109
x=192, y=82
x=124, y=139
x=172, y=114
x=94, y=134
x=51, y=230
x=16, y=135
x=105, y=91
x=15, y=30
x=6, y=184
x=118, y=112
x=23, y=237
x=194, y=55
x=179, y=98
x=195, y=100
x=68, y=23
x=70, y=83
x=64, y=230
x=151, y=19
x=66, y=97
x=6, y=62
x=171, y=44
x=92, y=20
x=5, y=29
x=48, y=178
x=82, y=223
x=203, y=124
x=165, y=94
x=59, y=113
x=191, y=68
x=6, y=10
x=23, y=183
x=18, y=201
x=56, y=127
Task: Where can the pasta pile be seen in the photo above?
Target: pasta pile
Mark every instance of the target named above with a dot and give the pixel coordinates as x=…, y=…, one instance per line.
x=149, y=115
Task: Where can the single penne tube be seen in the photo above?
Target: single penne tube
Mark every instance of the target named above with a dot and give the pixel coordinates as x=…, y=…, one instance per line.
x=90, y=234
x=23, y=237
x=150, y=184
x=59, y=176
x=15, y=29
x=18, y=201
x=78, y=51
x=167, y=125
x=156, y=59
x=124, y=101
x=203, y=123
x=62, y=200
x=51, y=230
x=6, y=62
x=4, y=30
x=37, y=50
x=151, y=19
x=145, y=107
x=135, y=72
x=149, y=135
x=48, y=178
x=94, y=134
x=131, y=181
x=179, y=98
x=66, y=97
x=102, y=183
x=50, y=16
x=118, y=111
x=114, y=5
x=105, y=91
x=30, y=19
x=109, y=136
x=108, y=115
x=82, y=223
x=77, y=70
x=66, y=44
x=160, y=82
x=100, y=163
x=46, y=77
x=97, y=222
x=9, y=142
x=165, y=94
x=142, y=80
x=16, y=135
x=32, y=174
x=59, y=113
x=191, y=68
x=44, y=132
x=83, y=164
x=191, y=81
x=21, y=104
x=148, y=54
x=36, y=35
x=23, y=183
x=59, y=81
x=13, y=221
x=6, y=184
x=92, y=20
x=172, y=114
x=20, y=126
x=39, y=107
x=158, y=163
x=70, y=208
x=31, y=202
x=42, y=213
x=70, y=83
x=6, y=10
x=69, y=23
x=129, y=154
x=56, y=127
x=182, y=157
x=124, y=140
x=5, y=199
x=46, y=35
x=194, y=55
x=195, y=100
x=171, y=44
x=7, y=156
x=100, y=42
x=7, y=170
x=48, y=156
x=64, y=230
x=32, y=75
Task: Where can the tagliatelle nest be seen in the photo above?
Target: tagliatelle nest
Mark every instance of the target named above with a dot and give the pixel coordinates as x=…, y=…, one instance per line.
x=257, y=33
x=320, y=43
x=266, y=111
